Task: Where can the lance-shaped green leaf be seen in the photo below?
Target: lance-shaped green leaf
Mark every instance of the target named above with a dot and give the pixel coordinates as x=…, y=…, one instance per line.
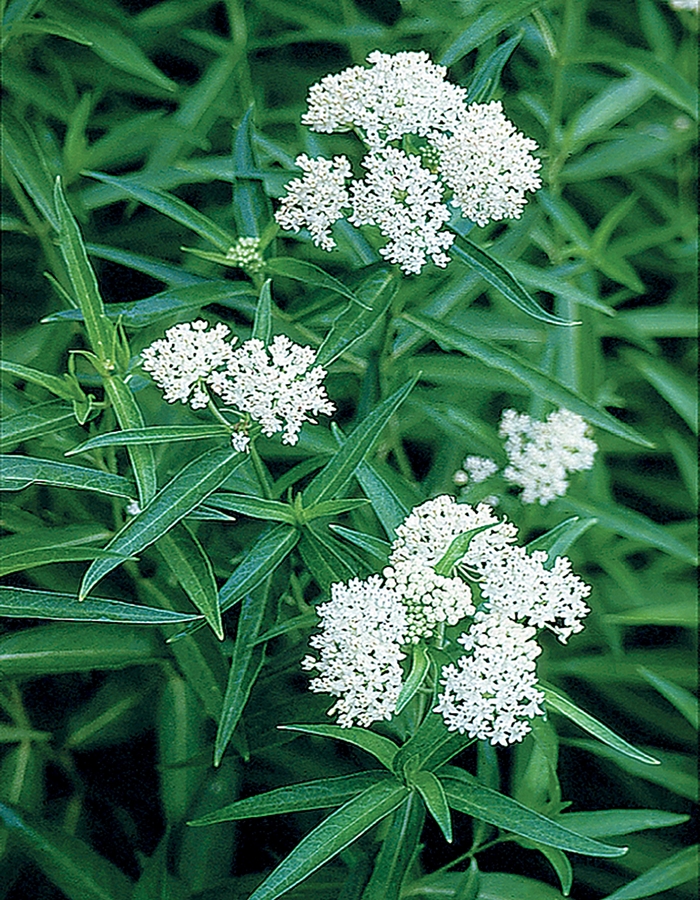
x=24, y=156
x=420, y=666
x=251, y=206
x=499, y=277
x=557, y=540
x=65, y=387
x=376, y=293
x=685, y=702
x=679, y=390
x=273, y=546
x=398, y=850
x=74, y=867
x=308, y=273
x=490, y=23
x=255, y=507
x=26, y=603
x=457, y=550
x=172, y=207
x=129, y=415
x=76, y=647
x=542, y=385
x=680, y=868
x=177, y=300
x=246, y=661
x=99, y=329
x=485, y=80
x=199, y=478
x=433, y=794
x=335, y=475
x=391, y=497
x=262, y=324
x=382, y=748
x=324, y=561
x=39, y=419
x=20, y=552
x=563, y=705
x=632, y=524
x=320, y=794
x=465, y=794
x=377, y=548
x=152, y=434
x=430, y=747
x=333, y=834
x=20, y=471
x=610, y=822
x=189, y=563
x=332, y=508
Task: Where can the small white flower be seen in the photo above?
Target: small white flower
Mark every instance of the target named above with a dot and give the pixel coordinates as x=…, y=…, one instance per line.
x=132, y=508
x=541, y=454
x=491, y=693
x=240, y=442
x=487, y=164
x=479, y=468
x=404, y=200
x=275, y=386
x=182, y=362
x=246, y=254
x=363, y=627
x=317, y=200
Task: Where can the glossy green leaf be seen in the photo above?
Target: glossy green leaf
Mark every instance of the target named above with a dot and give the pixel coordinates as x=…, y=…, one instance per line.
x=167, y=305
x=129, y=416
x=685, y=702
x=677, y=389
x=199, y=478
x=430, y=747
x=486, y=78
x=251, y=207
x=37, y=420
x=465, y=794
x=559, y=539
x=66, y=388
x=632, y=524
x=153, y=434
x=20, y=471
x=262, y=324
x=397, y=852
x=73, y=866
x=433, y=794
x=492, y=886
x=189, y=563
x=327, y=508
x=24, y=156
x=100, y=330
x=308, y=273
x=420, y=666
x=500, y=278
x=535, y=380
x=53, y=649
x=335, y=475
x=172, y=207
x=546, y=280
x=605, y=109
x=333, y=834
x=629, y=153
x=320, y=794
x=492, y=21
x=611, y=822
x=375, y=547
x=680, y=868
x=325, y=560
x=20, y=552
x=246, y=661
x=255, y=507
x=561, y=704
x=26, y=603
x=382, y=748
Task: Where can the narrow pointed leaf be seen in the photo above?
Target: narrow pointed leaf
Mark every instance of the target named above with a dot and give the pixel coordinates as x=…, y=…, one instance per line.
x=679, y=869
x=433, y=794
x=172, y=207
x=24, y=156
x=73, y=866
x=557, y=540
x=189, y=563
x=320, y=794
x=377, y=548
x=141, y=456
x=563, y=705
x=154, y=434
x=485, y=81
x=399, y=848
x=335, y=475
x=63, y=387
x=308, y=273
x=262, y=324
x=40, y=419
x=611, y=822
x=490, y=23
x=685, y=702
x=26, y=603
x=20, y=471
x=255, y=507
x=20, y=558
x=173, y=502
x=245, y=664
x=500, y=278
x=381, y=748
x=333, y=508
x=430, y=747
x=420, y=666
x=326, y=567
x=333, y=834
x=679, y=390
x=542, y=385
x=465, y=794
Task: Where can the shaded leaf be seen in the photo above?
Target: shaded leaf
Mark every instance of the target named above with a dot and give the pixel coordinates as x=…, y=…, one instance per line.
x=382, y=748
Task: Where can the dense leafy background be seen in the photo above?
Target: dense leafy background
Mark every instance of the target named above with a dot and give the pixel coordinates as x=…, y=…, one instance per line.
x=108, y=732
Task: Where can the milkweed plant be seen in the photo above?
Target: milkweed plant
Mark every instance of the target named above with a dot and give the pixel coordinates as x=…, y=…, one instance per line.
x=348, y=462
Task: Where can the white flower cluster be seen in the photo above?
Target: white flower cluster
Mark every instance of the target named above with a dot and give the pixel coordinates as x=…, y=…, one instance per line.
x=490, y=692
x=470, y=156
x=360, y=645
x=541, y=454
x=275, y=386
x=246, y=254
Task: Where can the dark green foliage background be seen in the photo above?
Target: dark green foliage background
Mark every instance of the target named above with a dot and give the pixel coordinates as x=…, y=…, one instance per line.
x=108, y=732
